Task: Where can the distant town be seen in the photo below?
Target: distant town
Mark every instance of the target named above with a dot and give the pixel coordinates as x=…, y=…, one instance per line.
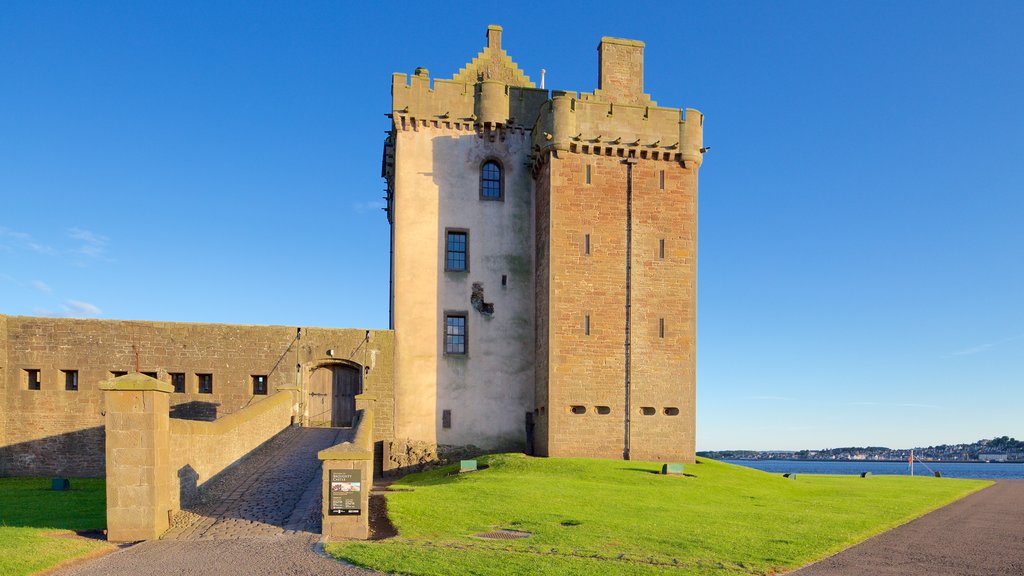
x=1003, y=449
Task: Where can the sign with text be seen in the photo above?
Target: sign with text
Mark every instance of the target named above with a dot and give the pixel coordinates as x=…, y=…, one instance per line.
x=346, y=493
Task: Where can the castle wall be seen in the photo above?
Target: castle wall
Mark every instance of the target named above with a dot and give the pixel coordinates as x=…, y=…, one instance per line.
x=488, y=390
x=57, y=431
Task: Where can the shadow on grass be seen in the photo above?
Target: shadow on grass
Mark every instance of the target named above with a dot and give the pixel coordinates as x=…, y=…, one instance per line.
x=657, y=472
x=30, y=503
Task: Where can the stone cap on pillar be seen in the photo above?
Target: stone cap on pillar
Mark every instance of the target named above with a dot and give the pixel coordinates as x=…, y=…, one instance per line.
x=135, y=382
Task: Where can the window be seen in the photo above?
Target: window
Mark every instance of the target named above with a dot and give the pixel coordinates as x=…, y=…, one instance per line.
x=491, y=182
x=586, y=244
x=586, y=325
x=587, y=174
x=178, y=381
x=661, y=327
x=457, y=253
x=117, y=373
x=446, y=419
x=578, y=409
x=259, y=385
x=648, y=411
x=70, y=380
x=152, y=375
x=205, y=383
x=604, y=410
x=661, y=181
x=32, y=379
x=455, y=334
x=661, y=248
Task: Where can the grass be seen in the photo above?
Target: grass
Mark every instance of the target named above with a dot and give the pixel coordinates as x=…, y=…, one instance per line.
x=37, y=525
x=615, y=517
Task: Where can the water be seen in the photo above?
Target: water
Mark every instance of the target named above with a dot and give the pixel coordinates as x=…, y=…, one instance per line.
x=992, y=470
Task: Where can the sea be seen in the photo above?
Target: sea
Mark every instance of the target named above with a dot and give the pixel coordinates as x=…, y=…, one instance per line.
x=988, y=470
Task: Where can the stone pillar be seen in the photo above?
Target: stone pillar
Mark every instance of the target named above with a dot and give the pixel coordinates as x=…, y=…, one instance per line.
x=138, y=457
x=345, y=458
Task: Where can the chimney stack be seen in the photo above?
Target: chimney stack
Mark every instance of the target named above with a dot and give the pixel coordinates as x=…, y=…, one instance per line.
x=621, y=70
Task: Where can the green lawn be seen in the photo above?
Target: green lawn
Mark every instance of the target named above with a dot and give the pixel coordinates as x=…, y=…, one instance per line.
x=35, y=522
x=615, y=517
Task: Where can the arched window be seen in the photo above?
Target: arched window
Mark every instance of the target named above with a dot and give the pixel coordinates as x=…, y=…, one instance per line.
x=491, y=181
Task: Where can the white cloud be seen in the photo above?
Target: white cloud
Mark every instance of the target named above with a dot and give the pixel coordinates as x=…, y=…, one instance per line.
x=11, y=239
x=369, y=206
x=41, y=286
x=91, y=245
x=973, y=350
x=79, y=308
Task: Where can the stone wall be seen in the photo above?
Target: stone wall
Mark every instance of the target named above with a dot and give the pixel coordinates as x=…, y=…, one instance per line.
x=58, y=431
x=201, y=450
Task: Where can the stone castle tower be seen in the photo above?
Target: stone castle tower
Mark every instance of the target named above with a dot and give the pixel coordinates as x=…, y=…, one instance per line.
x=544, y=257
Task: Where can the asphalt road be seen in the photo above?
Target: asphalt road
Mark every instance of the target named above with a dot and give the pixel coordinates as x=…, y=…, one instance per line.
x=981, y=535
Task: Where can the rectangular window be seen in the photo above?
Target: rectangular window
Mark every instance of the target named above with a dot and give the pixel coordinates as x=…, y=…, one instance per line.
x=205, y=383
x=588, y=174
x=661, y=248
x=70, y=380
x=178, y=381
x=446, y=418
x=259, y=385
x=152, y=375
x=661, y=181
x=586, y=325
x=586, y=244
x=32, y=379
x=117, y=373
x=455, y=334
x=504, y=279
x=661, y=327
x=457, y=251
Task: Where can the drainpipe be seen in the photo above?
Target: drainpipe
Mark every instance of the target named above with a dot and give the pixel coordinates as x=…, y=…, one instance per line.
x=629, y=273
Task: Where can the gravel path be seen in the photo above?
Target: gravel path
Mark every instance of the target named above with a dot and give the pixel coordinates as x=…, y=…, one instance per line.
x=261, y=517
x=981, y=535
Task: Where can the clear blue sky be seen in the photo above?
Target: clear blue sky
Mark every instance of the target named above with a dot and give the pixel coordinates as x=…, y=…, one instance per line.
x=861, y=235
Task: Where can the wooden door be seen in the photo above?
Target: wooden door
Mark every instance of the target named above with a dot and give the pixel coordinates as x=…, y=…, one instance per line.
x=347, y=383
x=321, y=386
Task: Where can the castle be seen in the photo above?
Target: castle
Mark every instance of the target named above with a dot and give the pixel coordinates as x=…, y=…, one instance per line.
x=543, y=296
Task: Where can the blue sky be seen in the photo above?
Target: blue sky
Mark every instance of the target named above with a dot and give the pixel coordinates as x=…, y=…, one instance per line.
x=861, y=237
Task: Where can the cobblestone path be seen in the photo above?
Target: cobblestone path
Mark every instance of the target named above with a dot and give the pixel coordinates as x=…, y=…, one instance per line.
x=260, y=518
x=273, y=491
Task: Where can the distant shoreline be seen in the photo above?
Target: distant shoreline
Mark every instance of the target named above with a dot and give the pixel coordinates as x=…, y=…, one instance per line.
x=916, y=460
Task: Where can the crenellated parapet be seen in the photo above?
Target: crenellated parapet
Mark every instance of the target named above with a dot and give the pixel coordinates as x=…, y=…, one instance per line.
x=490, y=90
x=618, y=119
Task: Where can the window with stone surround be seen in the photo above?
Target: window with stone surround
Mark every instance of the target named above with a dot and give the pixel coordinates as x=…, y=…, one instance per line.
x=118, y=373
x=32, y=379
x=455, y=333
x=492, y=182
x=70, y=380
x=456, y=250
x=178, y=381
x=259, y=385
x=205, y=383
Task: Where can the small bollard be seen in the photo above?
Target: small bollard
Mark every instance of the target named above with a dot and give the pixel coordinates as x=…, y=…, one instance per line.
x=672, y=469
x=790, y=475
x=467, y=466
x=60, y=484
x=865, y=474
x=938, y=474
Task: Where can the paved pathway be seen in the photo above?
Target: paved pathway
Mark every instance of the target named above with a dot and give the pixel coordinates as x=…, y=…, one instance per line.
x=981, y=535
x=276, y=490
x=261, y=517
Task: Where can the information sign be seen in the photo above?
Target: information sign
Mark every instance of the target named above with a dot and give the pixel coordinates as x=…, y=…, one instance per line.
x=346, y=493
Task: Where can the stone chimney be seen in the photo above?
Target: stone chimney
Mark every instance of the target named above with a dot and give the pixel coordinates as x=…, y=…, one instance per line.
x=620, y=65
x=494, y=37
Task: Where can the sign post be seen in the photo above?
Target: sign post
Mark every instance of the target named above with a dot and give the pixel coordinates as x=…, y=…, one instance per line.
x=346, y=493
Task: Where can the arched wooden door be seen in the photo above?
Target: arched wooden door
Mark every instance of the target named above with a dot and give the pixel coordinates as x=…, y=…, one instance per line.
x=332, y=396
